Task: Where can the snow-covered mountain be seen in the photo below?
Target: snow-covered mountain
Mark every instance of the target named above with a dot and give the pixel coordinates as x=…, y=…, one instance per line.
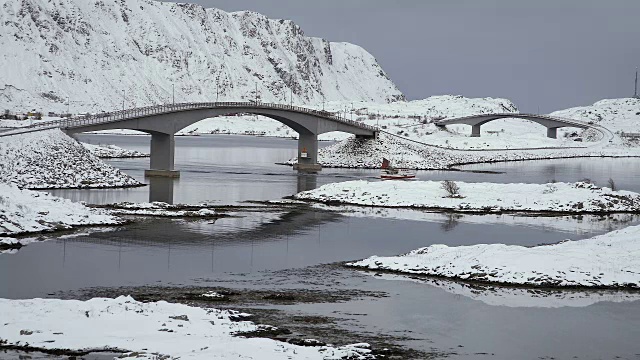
x=98, y=53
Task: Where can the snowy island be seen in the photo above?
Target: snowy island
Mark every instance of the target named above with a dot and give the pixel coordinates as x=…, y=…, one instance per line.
x=580, y=197
x=611, y=260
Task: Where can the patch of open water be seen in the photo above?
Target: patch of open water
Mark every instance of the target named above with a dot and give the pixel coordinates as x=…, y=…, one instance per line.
x=278, y=249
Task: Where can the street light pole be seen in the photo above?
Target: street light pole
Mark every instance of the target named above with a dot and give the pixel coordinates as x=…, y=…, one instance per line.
x=635, y=92
x=68, y=105
x=351, y=111
x=124, y=96
x=173, y=88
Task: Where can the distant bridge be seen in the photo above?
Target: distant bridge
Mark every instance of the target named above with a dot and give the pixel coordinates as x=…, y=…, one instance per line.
x=552, y=123
x=164, y=121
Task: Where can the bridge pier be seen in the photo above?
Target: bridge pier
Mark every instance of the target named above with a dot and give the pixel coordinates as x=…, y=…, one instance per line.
x=475, y=130
x=162, y=156
x=552, y=133
x=307, y=154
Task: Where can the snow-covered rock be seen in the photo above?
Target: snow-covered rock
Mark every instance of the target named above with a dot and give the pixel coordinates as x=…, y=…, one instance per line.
x=25, y=211
x=149, y=331
x=609, y=260
x=90, y=52
x=51, y=159
x=112, y=151
x=578, y=197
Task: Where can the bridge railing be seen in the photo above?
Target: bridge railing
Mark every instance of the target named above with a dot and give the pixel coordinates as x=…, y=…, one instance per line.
x=125, y=114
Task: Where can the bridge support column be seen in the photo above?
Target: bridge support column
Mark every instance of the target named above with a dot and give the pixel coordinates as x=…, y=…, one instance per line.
x=162, y=156
x=552, y=133
x=308, y=154
x=475, y=130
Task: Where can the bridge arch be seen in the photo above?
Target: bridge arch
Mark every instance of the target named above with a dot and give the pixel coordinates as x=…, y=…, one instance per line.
x=162, y=122
x=550, y=122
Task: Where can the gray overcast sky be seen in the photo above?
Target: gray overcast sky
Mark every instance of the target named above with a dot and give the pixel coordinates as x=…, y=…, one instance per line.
x=546, y=54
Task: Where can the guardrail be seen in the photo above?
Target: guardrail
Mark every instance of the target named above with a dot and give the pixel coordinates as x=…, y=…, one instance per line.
x=129, y=114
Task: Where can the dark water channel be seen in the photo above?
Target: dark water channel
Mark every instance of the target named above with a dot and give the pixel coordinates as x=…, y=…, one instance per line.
x=284, y=248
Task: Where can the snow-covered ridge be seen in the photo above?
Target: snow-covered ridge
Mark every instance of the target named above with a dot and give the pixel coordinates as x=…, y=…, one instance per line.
x=609, y=260
x=88, y=50
x=578, y=197
x=26, y=211
x=149, y=331
x=51, y=159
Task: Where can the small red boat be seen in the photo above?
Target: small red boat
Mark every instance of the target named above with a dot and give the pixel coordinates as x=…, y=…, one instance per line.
x=389, y=172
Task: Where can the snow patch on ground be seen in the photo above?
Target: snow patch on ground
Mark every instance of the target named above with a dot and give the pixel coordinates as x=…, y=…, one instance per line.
x=578, y=197
x=26, y=211
x=151, y=330
x=51, y=159
x=609, y=260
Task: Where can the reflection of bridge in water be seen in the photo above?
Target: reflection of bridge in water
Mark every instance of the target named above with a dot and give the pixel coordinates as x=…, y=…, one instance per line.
x=161, y=188
x=276, y=222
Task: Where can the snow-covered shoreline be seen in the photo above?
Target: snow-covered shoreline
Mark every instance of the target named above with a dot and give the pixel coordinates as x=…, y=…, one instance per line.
x=562, y=198
x=611, y=260
x=153, y=330
x=368, y=154
x=161, y=209
x=26, y=211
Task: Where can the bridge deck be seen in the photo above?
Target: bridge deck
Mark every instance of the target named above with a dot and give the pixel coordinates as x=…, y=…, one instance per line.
x=132, y=114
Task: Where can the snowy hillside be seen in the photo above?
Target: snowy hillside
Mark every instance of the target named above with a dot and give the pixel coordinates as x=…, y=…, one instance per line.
x=618, y=115
x=94, y=52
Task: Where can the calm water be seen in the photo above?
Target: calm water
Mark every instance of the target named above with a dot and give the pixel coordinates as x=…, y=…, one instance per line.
x=260, y=249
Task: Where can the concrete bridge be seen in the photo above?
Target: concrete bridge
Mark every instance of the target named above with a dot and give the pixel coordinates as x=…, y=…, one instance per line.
x=550, y=122
x=164, y=121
